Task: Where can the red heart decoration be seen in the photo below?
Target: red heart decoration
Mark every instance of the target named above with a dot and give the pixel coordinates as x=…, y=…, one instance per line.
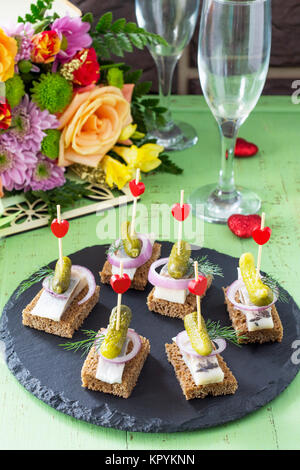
x=261, y=235
x=137, y=189
x=120, y=284
x=243, y=148
x=198, y=287
x=179, y=212
x=243, y=225
x=60, y=229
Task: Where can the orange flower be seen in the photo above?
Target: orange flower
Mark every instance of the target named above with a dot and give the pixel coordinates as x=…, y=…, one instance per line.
x=1, y=188
x=92, y=124
x=46, y=47
x=5, y=115
x=8, y=52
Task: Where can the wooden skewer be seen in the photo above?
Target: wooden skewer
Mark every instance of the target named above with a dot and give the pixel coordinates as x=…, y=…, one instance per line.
x=262, y=226
x=137, y=179
x=60, y=239
x=119, y=300
x=198, y=296
x=180, y=223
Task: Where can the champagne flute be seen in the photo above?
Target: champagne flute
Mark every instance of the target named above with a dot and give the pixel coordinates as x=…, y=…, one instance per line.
x=233, y=59
x=175, y=21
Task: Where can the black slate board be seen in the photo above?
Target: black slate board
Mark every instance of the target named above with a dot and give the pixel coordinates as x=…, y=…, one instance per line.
x=157, y=403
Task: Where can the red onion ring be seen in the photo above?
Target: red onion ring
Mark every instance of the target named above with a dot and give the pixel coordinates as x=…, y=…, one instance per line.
x=81, y=270
x=184, y=344
x=163, y=281
x=130, y=263
x=46, y=285
x=89, y=276
x=136, y=340
x=231, y=292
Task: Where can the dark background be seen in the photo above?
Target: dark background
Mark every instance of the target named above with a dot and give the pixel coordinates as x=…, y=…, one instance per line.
x=285, y=53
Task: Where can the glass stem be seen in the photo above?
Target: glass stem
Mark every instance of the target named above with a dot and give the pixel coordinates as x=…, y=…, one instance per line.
x=165, y=68
x=228, y=130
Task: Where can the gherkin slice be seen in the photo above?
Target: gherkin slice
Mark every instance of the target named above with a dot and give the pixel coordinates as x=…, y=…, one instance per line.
x=62, y=276
x=115, y=339
x=178, y=264
x=259, y=293
x=199, y=339
x=132, y=244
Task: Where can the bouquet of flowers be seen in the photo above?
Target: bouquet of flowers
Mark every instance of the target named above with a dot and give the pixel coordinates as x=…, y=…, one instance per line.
x=64, y=104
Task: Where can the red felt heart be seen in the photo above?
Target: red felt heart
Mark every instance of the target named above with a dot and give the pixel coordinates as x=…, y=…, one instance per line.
x=120, y=284
x=243, y=148
x=198, y=287
x=261, y=235
x=243, y=225
x=137, y=189
x=179, y=212
x=60, y=229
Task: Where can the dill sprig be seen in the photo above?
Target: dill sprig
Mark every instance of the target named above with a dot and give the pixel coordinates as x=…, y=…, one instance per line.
x=36, y=277
x=93, y=338
x=215, y=330
x=115, y=246
x=207, y=267
x=274, y=285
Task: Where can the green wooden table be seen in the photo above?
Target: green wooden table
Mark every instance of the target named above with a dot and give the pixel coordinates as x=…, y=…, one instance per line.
x=27, y=423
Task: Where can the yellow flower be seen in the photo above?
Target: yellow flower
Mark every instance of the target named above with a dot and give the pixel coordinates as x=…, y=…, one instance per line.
x=144, y=157
x=46, y=46
x=127, y=132
x=8, y=52
x=116, y=173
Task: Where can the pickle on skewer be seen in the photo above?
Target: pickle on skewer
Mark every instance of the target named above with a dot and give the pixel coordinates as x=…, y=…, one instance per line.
x=259, y=293
x=178, y=264
x=131, y=244
x=199, y=339
x=62, y=276
x=114, y=339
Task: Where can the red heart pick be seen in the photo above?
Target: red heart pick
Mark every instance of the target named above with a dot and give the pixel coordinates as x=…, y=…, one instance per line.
x=242, y=225
x=137, y=189
x=60, y=229
x=261, y=235
x=198, y=287
x=243, y=148
x=120, y=284
x=179, y=212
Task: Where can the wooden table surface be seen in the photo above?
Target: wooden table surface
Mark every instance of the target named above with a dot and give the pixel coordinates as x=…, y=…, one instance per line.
x=27, y=423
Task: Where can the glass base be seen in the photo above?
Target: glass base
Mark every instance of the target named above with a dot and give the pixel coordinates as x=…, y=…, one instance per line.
x=212, y=205
x=180, y=136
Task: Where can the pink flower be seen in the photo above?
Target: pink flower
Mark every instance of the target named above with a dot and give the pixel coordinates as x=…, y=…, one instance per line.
x=28, y=124
x=14, y=163
x=73, y=33
x=45, y=175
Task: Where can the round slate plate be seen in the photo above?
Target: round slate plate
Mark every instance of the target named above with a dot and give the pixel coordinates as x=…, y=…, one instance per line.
x=157, y=403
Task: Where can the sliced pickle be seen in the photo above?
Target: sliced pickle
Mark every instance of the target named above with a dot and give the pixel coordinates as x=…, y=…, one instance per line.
x=178, y=264
x=114, y=339
x=199, y=339
x=62, y=276
x=132, y=244
x=259, y=293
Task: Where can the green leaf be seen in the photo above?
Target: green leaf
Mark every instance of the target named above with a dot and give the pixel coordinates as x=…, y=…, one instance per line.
x=136, y=40
x=118, y=25
x=142, y=89
x=104, y=22
x=124, y=42
x=38, y=11
x=115, y=77
x=167, y=166
x=88, y=18
x=8, y=219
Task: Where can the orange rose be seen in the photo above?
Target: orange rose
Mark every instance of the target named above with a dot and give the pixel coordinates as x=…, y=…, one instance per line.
x=1, y=188
x=8, y=52
x=92, y=124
